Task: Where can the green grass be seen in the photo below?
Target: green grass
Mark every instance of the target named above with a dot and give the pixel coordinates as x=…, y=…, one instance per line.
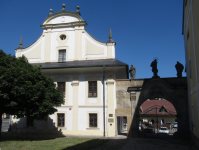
x=48, y=143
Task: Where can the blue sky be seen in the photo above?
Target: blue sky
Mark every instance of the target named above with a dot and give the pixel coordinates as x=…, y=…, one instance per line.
x=142, y=29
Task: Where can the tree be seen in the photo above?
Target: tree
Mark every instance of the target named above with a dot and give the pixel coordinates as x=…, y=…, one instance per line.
x=25, y=91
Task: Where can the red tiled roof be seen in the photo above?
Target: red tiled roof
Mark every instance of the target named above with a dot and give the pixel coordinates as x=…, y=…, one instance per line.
x=149, y=107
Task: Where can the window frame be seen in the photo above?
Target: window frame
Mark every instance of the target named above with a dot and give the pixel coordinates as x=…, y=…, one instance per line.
x=62, y=121
x=62, y=89
x=93, y=86
x=93, y=120
x=63, y=58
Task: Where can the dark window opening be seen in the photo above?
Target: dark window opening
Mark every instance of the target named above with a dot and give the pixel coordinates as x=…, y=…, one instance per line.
x=63, y=37
x=61, y=120
x=92, y=120
x=92, y=89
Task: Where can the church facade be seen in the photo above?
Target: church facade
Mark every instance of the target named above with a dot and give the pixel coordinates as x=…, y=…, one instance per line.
x=83, y=68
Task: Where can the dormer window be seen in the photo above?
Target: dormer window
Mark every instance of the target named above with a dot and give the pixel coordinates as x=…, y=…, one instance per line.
x=63, y=37
x=162, y=109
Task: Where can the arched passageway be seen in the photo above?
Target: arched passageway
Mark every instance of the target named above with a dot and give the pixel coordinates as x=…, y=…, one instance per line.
x=131, y=94
x=157, y=116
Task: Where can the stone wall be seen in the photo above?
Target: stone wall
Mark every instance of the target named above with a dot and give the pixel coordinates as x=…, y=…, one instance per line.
x=129, y=101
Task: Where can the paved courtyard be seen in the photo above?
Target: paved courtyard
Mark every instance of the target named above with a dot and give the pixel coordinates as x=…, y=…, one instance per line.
x=148, y=144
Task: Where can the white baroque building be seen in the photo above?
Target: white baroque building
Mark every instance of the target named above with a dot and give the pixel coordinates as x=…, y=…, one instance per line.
x=83, y=68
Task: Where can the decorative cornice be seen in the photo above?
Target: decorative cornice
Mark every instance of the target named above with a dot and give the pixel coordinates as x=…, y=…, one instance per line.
x=75, y=83
x=109, y=82
x=61, y=25
x=63, y=13
x=92, y=128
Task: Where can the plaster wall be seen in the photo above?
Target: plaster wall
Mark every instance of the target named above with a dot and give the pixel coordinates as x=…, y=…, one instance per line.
x=82, y=94
x=34, y=52
x=52, y=123
x=68, y=45
x=63, y=19
x=92, y=48
x=83, y=118
x=79, y=45
x=68, y=86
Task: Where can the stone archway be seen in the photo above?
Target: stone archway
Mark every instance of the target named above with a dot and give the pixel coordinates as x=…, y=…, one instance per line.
x=139, y=90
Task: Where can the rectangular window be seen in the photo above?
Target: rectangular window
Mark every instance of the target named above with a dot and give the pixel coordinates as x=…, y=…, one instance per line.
x=92, y=88
x=62, y=55
x=29, y=122
x=61, y=87
x=92, y=120
x=61, y=120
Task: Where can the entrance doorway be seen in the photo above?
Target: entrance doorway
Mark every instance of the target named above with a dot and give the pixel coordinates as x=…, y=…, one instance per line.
x=122, y=125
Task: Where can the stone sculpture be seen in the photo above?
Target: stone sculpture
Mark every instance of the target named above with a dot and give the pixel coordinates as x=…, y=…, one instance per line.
x=154, y=68
x=179, y=68
x=132, y=71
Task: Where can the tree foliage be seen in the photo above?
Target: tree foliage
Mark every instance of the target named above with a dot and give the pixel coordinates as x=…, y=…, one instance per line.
x=24, y=90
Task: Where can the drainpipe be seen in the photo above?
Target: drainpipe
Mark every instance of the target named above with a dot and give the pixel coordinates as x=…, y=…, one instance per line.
x=104, y=97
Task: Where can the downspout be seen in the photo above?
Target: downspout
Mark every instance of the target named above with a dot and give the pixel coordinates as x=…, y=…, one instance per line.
x=104, y=97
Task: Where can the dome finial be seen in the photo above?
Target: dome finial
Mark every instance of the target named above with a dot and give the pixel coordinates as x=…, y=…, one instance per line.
x=110, y=37
x=77, y=11
x=63, y=5
x=51, y=12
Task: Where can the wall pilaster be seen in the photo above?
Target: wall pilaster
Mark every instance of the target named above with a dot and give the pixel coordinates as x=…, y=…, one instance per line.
x=111, y=110
x=75, y=85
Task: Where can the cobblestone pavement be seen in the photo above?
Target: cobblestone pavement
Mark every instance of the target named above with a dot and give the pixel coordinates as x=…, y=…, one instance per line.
x=148, y=144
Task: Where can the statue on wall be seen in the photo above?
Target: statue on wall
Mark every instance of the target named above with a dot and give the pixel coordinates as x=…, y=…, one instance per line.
x=179, y=68
x=132, y=71
x=154, y=68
